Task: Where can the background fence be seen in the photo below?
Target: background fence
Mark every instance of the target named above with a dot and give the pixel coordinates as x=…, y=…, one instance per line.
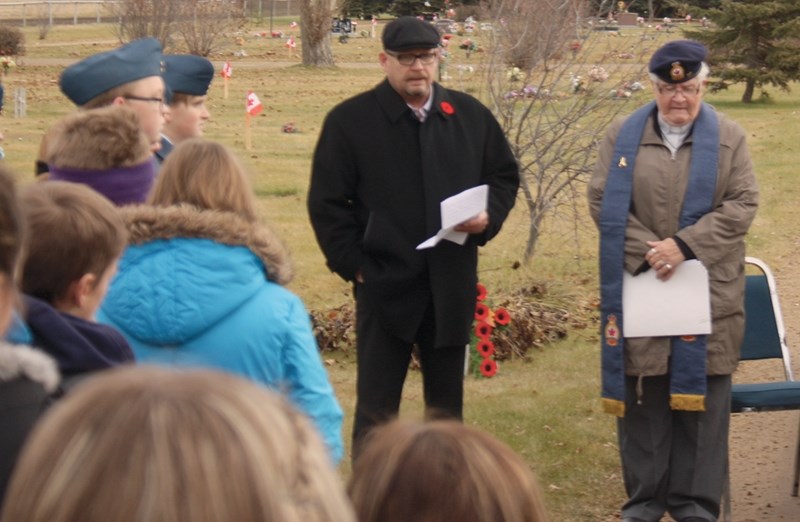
x=51, y=12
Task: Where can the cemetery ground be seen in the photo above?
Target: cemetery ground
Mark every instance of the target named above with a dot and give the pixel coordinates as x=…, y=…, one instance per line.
x=545, y=405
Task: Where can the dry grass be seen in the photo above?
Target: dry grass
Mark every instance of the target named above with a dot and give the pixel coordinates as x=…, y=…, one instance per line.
x=545, y=407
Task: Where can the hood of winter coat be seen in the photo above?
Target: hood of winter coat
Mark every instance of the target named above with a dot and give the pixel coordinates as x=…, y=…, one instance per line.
x=187, y=269
x=18, y=362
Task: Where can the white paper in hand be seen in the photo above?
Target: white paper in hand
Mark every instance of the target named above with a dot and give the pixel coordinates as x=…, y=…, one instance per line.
x=457, y=209
x=679, y=306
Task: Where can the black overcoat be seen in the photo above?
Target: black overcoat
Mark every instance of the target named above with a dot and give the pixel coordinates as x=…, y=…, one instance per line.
x=377, y=180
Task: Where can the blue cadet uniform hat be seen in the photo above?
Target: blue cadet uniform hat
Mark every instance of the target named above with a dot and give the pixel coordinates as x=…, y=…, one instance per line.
x=678, y=61
x=85, y=80
x=409, y=32
x=188, y=74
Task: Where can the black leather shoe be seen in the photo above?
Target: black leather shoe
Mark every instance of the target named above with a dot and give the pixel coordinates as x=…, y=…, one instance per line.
x=693, y=519
x=631, y=519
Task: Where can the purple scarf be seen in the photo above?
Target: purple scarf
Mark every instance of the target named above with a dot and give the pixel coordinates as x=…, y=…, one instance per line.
x=122, y=185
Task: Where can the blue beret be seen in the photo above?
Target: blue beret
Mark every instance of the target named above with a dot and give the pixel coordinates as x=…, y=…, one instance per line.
x=188, y=74
x=85, y=80
x=678, y=61
x=409, y=32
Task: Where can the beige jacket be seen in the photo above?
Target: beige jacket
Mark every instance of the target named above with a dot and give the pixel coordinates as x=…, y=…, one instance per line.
x=717, y=239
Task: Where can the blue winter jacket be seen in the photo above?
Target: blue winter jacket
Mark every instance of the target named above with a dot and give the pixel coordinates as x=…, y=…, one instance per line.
x=199, y=288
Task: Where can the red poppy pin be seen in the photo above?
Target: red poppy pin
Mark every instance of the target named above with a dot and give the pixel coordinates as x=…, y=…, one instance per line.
x=488, y=368
x=447, y=108
x=485, y=347
x=482, y=293
x=481, y=312
x=483, y=330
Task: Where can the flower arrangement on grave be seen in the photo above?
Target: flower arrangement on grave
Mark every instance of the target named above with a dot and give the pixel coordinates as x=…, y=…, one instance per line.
x=482, y=348
x=8, y=63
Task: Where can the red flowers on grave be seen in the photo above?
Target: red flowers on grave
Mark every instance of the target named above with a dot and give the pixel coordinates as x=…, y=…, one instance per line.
x=486, y=320
x=488, y=368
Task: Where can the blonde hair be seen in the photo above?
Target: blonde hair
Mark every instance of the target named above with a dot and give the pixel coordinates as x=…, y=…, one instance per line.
x=141, y=444
x=97, y=139
x=207, y=175
x=73, y=231
x=442, y=470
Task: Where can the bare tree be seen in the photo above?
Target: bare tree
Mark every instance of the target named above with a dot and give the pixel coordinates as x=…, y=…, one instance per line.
x=201, y=23
x=315, y=30
x=554, y=84
x=141, y=18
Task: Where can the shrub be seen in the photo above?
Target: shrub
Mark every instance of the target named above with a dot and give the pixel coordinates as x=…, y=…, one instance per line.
x=12, y=41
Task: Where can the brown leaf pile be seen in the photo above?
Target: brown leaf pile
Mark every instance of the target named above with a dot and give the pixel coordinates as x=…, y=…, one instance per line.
x=536, y=320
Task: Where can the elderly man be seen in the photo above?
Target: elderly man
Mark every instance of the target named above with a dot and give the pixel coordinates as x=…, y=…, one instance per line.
x=384, y=162
x=673, y=182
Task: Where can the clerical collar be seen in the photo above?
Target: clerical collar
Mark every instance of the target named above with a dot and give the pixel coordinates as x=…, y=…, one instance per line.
x=666, y=128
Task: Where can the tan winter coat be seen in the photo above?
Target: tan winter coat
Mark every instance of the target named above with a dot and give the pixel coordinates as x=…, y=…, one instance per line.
x=717, y=239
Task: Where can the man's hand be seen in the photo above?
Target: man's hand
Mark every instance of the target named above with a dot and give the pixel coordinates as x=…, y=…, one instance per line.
x=475, y=225
x=664, y=256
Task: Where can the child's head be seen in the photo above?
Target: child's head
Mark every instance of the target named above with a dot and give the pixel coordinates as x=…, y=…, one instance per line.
x=75, y=238
x=104, y=148
x=129, y=75
x=207, y=175
x=10, y=239
x=143, y=443
x=187, y=78
x=442, y=470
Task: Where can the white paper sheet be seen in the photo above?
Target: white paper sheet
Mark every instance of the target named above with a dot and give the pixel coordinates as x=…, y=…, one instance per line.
x=679, y=306
x=457, y=209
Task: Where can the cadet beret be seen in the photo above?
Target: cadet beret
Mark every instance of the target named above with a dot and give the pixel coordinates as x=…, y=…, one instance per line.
x=92, y=76
x=188, y=74
x=409, y=32
x=678, y=61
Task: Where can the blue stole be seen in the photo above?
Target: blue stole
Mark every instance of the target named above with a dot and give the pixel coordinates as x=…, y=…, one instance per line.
x=688, y=353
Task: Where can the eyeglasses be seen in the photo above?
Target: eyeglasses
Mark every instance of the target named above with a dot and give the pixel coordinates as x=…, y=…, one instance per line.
x=672, y=90
x=408, y=59
x=157, y=101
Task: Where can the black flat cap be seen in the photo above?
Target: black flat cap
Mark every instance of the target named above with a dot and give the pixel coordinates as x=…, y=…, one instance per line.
x=409, y=32
x=678, y=61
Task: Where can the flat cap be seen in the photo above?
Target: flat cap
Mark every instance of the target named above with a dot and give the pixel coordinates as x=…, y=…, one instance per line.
x=92, y=76
x=409, y=32
x=678, y=61
x=188, y=74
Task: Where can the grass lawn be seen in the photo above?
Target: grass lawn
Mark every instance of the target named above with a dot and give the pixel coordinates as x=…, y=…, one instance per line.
x=546, y=407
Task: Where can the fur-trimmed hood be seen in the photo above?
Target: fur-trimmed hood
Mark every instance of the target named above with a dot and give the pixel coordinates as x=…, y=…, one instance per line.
x=24, y=362
x=147, y=223
x=188, y=271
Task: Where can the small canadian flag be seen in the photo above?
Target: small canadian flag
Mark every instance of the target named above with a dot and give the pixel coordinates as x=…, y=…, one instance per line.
x=254, y=105
x=227, y=70
x=290, y=42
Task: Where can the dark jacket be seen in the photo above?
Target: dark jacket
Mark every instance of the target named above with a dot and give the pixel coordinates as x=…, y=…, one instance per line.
x=377, y=181
x=27, y=378
x=80, y=347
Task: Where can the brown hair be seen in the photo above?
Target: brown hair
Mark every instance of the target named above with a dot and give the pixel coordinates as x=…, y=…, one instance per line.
x=207, y=175
x=10, y=226
x=442, y=470
x=73, y=231
x=107, y=98
x=98, y=139
x=179, y=98
x=146, y=444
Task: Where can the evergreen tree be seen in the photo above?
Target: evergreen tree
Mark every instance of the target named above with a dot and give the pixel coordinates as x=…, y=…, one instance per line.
x=756, y=43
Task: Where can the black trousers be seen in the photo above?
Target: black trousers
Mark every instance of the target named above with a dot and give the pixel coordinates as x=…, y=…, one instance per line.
x=383, y=361
x=673, y=460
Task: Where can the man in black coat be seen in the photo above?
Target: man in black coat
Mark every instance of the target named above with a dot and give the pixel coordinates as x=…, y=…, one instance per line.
x=384, y=162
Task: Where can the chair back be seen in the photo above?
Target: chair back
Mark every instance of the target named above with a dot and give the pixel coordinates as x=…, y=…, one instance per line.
x=761, y=337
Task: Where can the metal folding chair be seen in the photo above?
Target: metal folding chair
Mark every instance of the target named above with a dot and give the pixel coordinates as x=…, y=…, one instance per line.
x=765, y=338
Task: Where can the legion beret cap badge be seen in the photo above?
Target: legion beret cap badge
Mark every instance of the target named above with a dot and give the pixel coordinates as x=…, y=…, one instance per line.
x=678, y=61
